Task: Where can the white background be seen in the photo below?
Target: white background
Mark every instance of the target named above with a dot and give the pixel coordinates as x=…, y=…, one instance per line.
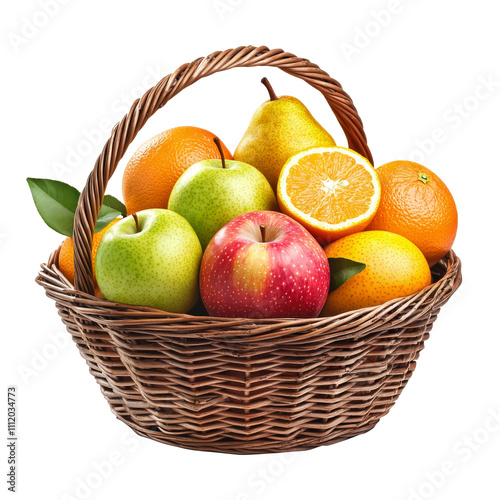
x=421, y=67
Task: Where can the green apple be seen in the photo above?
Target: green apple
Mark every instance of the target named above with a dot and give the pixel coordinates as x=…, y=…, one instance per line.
x=151, y=258
x=210, y=193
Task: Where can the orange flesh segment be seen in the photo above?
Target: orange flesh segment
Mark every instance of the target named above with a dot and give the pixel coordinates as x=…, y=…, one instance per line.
x=330, y=187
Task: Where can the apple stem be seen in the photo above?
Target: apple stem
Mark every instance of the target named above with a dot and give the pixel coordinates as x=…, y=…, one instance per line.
x=219, y=147
x=272, y=94
x=263, y=232
x=134, y=215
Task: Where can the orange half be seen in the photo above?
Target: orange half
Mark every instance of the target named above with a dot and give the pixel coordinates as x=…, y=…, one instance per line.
x=331, y=191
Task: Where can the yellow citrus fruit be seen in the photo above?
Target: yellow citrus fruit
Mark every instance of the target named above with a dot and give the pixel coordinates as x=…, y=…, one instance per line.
x=395, y=267
x=154, y=168
x=331, y=191
x=417, y=204
x=66, y=259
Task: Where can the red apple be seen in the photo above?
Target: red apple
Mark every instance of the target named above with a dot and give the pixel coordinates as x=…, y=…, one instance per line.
x=264, y=265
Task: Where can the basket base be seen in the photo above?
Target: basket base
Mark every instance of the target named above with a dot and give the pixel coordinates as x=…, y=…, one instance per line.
x=233, y=447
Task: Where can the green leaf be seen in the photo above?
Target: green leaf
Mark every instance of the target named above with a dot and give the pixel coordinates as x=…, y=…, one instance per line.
x=112, y=202
x=341, y=270
x=105, y=216
x=56, y=203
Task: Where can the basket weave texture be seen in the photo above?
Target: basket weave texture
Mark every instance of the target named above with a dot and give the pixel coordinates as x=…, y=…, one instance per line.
x=240, y=385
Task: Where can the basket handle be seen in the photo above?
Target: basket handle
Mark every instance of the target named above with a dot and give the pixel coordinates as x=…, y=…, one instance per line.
x=156, y=97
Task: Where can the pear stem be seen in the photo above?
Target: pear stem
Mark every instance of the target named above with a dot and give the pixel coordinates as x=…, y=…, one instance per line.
x=263, y=232
x=272, y=94
x=134, y=215
x=219, y=147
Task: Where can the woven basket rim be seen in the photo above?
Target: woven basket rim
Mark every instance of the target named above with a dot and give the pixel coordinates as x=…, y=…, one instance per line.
x=450, y=266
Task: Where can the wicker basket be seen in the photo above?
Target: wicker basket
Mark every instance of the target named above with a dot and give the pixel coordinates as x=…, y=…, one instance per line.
x=241, y=385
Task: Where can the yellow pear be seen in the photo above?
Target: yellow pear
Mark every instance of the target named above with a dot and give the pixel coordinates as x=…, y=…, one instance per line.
x=280, y=128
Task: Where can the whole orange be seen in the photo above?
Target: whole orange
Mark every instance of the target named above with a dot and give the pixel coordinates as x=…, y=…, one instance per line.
x=66, y=254
x=417, y=204
x=395, y=267
x=155, y=167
